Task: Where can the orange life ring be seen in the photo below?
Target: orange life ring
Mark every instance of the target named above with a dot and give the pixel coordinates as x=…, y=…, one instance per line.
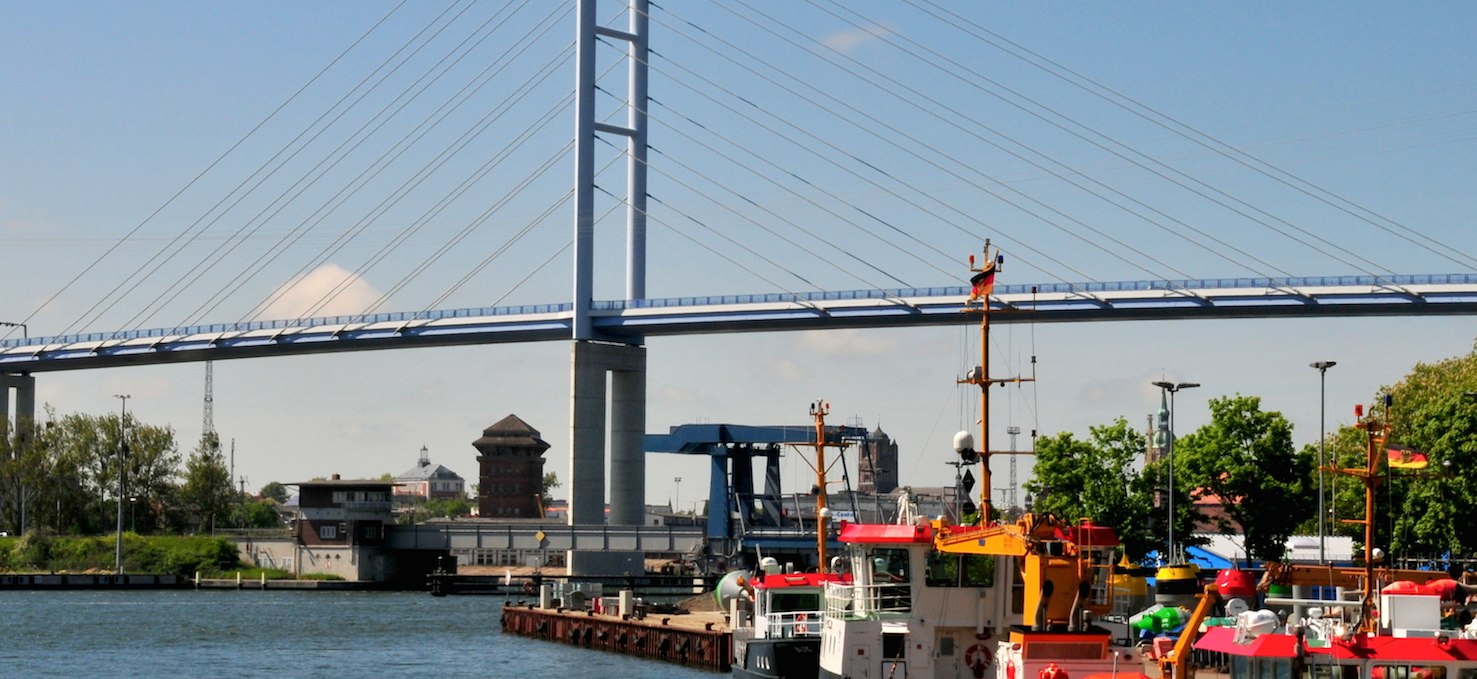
x=978, y=656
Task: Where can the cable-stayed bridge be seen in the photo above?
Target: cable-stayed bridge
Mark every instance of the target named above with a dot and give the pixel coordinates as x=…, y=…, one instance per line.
x=822, y=165
x=622, y=321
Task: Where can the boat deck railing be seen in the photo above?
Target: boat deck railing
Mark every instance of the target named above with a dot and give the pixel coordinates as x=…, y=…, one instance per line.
x=791, y=624
x=877, y=601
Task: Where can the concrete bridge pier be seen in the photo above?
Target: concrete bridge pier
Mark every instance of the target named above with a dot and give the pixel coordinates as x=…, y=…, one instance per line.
x=24, y=419
x=626, y=366
x=23, y=424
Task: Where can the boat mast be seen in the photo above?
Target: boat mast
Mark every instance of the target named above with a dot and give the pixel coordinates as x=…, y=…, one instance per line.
x=1375, y=430
x=983, y=283
x=818, y=412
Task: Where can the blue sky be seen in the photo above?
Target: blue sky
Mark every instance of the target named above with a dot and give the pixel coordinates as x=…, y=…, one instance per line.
x=110, y=110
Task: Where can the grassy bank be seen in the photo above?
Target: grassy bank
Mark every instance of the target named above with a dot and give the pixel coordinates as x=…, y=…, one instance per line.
x=164, y=554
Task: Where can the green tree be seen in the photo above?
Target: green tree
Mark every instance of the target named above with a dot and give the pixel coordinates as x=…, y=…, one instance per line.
x=276, y=491
x=1244, y=458
x=260, y=514
x=1096, y=478
x=206, y=490
x=1432, y=412
x=551, y=481
x=68, y=474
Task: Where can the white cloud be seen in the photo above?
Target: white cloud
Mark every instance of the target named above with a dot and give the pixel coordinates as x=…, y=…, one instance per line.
x=845, y=41
x=848, y=343
x=300, y=297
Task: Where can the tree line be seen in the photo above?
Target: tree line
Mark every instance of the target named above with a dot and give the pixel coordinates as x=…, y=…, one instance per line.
x=1244, y=462
x=62, y=475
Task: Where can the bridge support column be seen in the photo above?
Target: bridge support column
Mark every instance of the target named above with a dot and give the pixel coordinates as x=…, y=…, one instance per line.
x=23, y=423
x=626, y=364
x=24, y=419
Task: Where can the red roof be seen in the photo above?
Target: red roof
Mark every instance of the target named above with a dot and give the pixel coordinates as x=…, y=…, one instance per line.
x=1383, y=648
x=1089, y=534
x=779, y=580
x=885, y=533
x=1222, y=640
x=1404, y=649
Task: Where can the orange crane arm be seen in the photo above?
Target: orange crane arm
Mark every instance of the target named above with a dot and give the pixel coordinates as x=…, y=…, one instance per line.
x=1176, y=663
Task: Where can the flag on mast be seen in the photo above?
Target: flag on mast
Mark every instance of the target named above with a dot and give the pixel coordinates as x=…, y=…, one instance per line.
x=982, y=283
x=1403, y=457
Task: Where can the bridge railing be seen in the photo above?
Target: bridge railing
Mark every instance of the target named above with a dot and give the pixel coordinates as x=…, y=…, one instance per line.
x=1202, y=284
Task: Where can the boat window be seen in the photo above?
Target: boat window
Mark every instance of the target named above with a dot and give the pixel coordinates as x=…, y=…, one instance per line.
x=1466, y=673
x=960, y=570
x=785, y=602
x=894, y=646
x=890, y=565
x=1325, y=671
x=1407, y=672
x=1272, y=668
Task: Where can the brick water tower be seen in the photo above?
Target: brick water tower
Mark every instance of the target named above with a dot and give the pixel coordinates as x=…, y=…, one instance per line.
x=511, y=464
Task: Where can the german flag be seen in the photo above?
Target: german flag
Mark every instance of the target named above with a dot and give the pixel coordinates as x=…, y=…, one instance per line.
x=1402, y=457
x=982, y=283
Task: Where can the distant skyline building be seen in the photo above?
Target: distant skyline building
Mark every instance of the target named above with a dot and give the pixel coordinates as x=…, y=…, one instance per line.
x=1159, y=437
x=430, y=481
x=877, y=463
x=511, y=470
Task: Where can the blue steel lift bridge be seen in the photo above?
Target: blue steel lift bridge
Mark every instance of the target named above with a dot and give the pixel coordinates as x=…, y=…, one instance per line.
x=735, y=511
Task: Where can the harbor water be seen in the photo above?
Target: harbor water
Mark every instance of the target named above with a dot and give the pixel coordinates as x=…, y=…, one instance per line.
x=188, y=633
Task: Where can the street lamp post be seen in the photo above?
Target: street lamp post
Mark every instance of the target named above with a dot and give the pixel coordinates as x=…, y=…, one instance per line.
x=1322, y=368
x=122, y=452
x=677, y=495
x=1172, y=388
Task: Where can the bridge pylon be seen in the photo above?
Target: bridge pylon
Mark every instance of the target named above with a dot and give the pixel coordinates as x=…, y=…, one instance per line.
x=593, y=357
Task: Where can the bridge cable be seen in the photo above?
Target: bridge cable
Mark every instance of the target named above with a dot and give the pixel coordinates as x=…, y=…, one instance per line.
x=310, y=223
x=842, y=103
x=918, y=190
x=504, y=247
x=299, y=137
x=956, y=67
x=473, y=225
x=810, y=184
x=1059, y=175
x=759, y=206
x=202, y=173
x=424, y=173
x=1200, y=137
x=720, y=234
x=796, y=194
x=364, y=133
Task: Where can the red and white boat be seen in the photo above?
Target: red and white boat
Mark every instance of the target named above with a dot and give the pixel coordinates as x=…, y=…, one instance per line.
x=784, y=639
x=1013, y=600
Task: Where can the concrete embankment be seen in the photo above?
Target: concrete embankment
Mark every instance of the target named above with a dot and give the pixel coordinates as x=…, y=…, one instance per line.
x=91, y=581
x=309, y=585
x=72, y=581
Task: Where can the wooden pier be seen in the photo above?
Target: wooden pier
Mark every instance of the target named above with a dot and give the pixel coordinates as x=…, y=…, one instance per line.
x=691, y=639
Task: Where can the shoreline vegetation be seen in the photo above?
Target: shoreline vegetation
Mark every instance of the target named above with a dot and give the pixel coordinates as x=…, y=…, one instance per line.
x=183, y=556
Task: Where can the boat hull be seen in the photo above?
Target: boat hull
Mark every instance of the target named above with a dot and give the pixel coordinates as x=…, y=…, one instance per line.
x=779, y=659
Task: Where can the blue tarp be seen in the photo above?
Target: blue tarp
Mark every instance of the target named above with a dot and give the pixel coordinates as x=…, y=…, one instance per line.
x=1206, y=559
